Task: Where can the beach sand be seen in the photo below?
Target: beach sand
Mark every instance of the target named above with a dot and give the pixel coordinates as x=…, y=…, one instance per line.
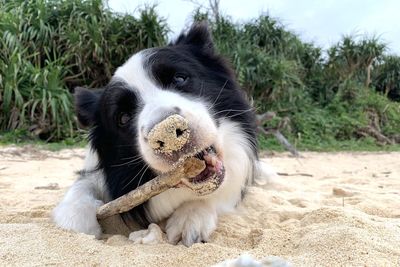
x=327, y=209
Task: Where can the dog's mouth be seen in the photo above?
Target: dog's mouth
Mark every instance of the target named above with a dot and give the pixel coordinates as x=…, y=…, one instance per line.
x=211, y=177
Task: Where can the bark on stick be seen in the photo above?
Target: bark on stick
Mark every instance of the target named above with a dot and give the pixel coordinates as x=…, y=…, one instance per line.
x=190, y=168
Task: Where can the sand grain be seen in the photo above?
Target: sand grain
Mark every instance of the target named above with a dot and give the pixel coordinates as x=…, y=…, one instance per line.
x=346, y=213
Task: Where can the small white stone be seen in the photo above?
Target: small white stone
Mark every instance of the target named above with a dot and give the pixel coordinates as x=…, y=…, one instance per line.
x=248, y=261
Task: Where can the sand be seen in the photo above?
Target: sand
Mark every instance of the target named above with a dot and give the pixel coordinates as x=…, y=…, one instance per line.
x=329, y=209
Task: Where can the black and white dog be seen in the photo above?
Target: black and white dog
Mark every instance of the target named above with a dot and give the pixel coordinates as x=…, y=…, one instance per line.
x=187, y=78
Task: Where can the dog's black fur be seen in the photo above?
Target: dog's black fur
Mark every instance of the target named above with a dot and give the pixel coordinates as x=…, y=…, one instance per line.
x=203, y=74
x=190, y=67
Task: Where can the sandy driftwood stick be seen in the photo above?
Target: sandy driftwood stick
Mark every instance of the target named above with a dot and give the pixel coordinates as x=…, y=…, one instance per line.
x=190, y=168
x=261, y=119
x=281, y=139
x=373, y=132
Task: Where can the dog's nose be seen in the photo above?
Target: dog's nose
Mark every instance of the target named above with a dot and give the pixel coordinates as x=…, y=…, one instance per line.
x=169, y=135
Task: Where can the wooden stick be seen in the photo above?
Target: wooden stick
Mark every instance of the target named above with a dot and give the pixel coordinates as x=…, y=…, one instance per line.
x=371, y=131
x=282, y=140
x=294, y=174
x=190, y=168
x=262, y=118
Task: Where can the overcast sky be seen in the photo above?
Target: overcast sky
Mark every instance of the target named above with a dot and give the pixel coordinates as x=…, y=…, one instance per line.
x=320, y=21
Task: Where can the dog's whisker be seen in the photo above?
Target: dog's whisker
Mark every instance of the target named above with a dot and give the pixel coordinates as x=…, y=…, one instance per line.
x=137, y=157
x=235, y=115
x=140, y=179
x=128, y=162
x=133, y=157
x=219, y=94
x=234, y=110
x=138, y=173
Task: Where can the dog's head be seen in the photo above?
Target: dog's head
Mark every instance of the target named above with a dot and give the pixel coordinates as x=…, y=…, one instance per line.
x=185, y=81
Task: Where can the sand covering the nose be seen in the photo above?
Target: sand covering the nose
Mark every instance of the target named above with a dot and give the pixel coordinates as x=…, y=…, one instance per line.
x=164, y=137
x=330, y=209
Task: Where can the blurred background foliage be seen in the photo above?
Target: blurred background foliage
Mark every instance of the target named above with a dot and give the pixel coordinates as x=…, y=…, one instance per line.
x=49, y=47
x=346, y=97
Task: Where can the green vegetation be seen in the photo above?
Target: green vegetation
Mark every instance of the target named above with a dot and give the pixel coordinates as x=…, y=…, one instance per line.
x=344, y=98
x=21, y=137
x=49, y=47
x=340, y=99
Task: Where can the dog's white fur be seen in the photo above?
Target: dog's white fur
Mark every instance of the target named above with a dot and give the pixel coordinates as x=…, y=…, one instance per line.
x=190, y=217
x=77, y=211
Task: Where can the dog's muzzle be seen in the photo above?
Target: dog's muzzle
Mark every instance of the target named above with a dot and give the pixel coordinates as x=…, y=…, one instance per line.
x=173, y=141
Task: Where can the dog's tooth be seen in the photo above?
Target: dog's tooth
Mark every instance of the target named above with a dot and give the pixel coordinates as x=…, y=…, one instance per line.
x=214, y=161
x=207, y=158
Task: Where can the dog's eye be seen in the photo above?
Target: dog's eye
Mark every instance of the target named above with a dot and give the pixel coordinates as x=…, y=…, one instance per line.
x=180, y=79
x=123, y=118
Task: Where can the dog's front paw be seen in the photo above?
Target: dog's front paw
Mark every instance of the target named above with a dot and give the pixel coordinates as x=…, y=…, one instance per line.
x=152, y=235
x=193, y=222
x=78, y=216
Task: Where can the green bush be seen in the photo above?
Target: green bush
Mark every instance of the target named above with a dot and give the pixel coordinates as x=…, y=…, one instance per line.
x=324, y=95
x=49, y=47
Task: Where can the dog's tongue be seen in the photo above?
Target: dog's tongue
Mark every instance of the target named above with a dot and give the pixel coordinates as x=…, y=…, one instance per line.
x=214, y=162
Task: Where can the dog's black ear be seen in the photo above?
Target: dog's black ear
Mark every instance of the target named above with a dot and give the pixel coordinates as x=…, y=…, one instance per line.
x=86, y=104
x=198, y=36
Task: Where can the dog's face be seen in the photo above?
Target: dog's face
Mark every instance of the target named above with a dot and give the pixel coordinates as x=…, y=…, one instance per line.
x=186, y=80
